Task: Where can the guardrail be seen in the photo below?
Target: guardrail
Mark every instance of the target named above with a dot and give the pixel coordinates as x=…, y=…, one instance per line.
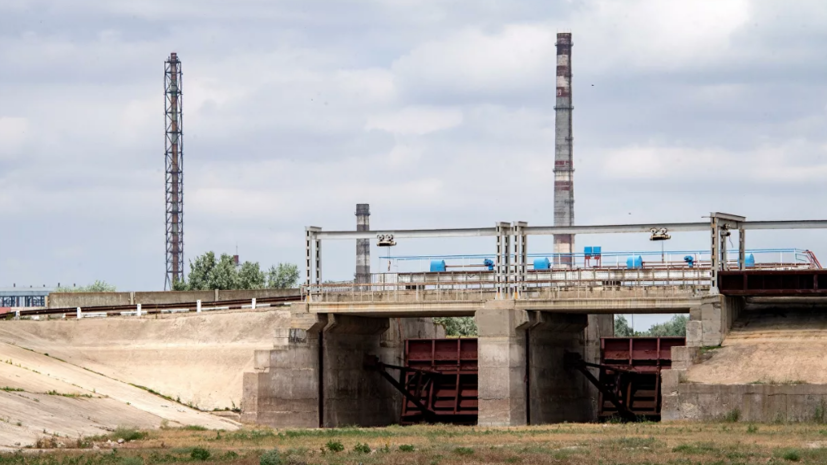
x=151, y=309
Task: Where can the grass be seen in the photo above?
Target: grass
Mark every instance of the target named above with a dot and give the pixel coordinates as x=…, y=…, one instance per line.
x=561, y=444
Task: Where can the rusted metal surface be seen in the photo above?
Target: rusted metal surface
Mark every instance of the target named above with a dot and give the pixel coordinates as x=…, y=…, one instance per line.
x=630, y=368
x=773, y=282
x=449, y=389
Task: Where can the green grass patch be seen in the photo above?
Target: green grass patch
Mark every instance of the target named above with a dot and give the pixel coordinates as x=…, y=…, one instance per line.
x=790, y=455
x=464, y=451
x=194, y=428
x=695, y=448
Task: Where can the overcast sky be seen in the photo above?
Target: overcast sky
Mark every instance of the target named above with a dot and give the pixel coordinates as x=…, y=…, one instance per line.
x=437, y=113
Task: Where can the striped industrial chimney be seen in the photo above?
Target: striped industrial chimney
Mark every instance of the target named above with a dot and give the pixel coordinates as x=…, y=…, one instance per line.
x=563, y=143
x=362, y=245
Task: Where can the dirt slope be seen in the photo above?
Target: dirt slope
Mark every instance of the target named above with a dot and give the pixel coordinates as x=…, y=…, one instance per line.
x=769, y=346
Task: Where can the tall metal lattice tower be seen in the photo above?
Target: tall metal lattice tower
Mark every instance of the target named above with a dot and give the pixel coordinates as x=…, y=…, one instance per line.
x=173, y=111
x=563, y=151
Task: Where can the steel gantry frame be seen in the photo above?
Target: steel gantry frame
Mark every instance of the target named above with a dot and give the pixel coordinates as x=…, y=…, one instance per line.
x=511, y=267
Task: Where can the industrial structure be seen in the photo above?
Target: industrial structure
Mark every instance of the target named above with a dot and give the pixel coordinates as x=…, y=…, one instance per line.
x=174, y=156
x=362, y=245
x=563, y=150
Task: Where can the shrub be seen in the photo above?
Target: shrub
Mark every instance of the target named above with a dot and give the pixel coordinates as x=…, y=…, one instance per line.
x=199, y=453
x=406, y=448
x=128, y=434
x=271, y=457
x=732, y=416
x=194, y=428
x=464, y=451
x=752, y=429
x=791, y=455
x=361, y=448
x=334, y=446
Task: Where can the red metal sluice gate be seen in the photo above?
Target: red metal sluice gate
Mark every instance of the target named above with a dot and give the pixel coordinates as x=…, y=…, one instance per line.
x=450, y=388
x=636, y=385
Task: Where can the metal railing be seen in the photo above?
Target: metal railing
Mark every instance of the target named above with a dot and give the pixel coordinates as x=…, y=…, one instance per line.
x=482, y=285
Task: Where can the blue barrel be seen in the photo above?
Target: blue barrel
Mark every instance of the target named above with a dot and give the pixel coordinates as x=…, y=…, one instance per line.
x=634, y=262
x=542, y=264
x=437, y=266
x=749, y=260
x=489, y=264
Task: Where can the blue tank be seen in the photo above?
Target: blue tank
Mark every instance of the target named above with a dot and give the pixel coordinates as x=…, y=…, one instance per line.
x=749, y=260
x=488, y=263
x=542, y=264
x=437, y=266
x=634, y=262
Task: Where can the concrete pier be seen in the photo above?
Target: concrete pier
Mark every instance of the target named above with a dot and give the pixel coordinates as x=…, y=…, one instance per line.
x=502, y=364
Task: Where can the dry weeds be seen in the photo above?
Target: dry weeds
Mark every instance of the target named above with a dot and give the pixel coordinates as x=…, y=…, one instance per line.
x=642, y=443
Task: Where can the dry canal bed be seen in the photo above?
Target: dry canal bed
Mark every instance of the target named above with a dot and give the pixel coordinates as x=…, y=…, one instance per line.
x=642, y=443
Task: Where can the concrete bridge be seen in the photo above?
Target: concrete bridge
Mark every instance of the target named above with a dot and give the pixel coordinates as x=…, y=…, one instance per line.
x=527, y=320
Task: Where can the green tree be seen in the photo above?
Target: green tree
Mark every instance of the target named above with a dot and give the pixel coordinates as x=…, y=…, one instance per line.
x=622, y=327
x=97, y=286
x=458, y=326
x=283, y=276
x=208, y=272
x=674, y=327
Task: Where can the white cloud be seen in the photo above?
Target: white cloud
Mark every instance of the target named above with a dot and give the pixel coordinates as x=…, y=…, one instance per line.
x=417, y=120
x=14, y=132
x=474, y=62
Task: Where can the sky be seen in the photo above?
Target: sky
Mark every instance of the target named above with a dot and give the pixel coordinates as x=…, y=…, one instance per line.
x=436, y=113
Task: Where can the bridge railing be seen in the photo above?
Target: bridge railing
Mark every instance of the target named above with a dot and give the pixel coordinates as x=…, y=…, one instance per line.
x=465, y=285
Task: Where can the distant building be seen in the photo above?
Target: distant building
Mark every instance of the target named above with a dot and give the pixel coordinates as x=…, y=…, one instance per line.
x=23, y=296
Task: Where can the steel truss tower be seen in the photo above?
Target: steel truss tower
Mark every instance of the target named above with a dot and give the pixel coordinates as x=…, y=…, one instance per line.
x=173, y=111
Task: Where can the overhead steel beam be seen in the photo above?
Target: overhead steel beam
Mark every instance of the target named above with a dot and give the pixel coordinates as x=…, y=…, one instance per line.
x=409, y=233
x=614, y=229
x=802, y=224
x=551, y=230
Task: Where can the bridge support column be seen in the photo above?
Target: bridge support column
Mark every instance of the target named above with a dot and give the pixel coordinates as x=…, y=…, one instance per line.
x=556, y=394
x=599, y=326
x=502, y=364
x=353, y=396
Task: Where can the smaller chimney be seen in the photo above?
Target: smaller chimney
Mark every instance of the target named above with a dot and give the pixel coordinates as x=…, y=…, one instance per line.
x=363, y=245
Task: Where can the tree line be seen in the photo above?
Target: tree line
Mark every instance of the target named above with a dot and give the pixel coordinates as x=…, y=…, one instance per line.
x=208, y=272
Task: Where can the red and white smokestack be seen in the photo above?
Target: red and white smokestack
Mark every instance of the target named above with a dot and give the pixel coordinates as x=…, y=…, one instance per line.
x=563, y=152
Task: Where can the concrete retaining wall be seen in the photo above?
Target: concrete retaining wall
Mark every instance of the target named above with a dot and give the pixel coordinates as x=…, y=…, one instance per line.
x=746, y=402
x=88, y=299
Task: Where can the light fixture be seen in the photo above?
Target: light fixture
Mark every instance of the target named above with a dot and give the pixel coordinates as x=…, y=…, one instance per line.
x=660, y=235
x=385, y=240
